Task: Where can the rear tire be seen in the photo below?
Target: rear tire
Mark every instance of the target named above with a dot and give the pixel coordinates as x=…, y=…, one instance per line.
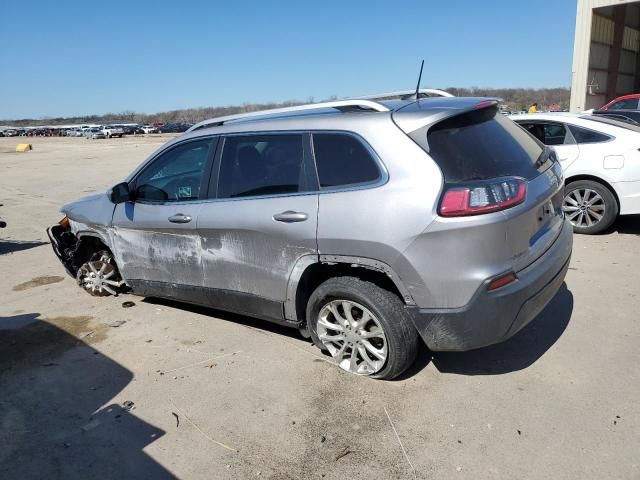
x=376, y=327
x=590, y=206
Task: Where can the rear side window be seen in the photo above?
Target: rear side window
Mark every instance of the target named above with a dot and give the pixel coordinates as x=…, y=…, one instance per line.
x=342, y=160
x=482, y=144
x=255, y=165
x=583, y=135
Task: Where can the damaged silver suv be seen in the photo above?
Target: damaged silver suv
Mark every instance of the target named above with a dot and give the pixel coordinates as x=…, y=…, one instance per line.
x=368, y=225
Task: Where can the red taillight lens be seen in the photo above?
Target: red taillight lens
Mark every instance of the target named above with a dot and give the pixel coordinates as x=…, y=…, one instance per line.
x=492, y=196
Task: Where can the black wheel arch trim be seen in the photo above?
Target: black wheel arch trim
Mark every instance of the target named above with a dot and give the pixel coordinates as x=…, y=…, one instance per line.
x=304, y=262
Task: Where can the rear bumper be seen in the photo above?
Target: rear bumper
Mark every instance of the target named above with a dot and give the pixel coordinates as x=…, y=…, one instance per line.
x=629, y=196
x=492, y=317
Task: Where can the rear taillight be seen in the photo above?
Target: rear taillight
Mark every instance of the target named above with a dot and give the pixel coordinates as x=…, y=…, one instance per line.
x=486, y=197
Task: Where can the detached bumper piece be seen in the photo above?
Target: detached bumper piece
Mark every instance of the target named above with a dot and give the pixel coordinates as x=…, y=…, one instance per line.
x=495, y=316
x=64, y=244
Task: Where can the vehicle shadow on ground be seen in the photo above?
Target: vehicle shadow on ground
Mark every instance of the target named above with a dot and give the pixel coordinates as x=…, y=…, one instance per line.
x=627, y=224
x=52, y=420
x=520, y=351
x=8, y=246
x=247, y=321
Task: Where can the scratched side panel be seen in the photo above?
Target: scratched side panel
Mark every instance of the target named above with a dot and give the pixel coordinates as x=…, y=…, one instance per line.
x=149, y=247
x=245, y=250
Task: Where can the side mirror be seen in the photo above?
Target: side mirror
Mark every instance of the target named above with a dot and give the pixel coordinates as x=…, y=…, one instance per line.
x=120, y=193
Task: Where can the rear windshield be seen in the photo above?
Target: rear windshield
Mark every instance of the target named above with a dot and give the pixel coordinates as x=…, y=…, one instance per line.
x=483, y=144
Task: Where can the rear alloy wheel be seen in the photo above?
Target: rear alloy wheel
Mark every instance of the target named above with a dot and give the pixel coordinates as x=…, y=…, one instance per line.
x=99, y=277
x=589, y=206
x=353, y=336
x=365, y=328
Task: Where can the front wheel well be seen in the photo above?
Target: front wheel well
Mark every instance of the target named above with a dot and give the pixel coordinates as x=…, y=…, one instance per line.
x=317, y=273
x=86, y=248
x=593, y=178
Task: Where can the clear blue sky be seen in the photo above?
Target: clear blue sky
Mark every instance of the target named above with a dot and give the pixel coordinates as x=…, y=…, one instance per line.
x=68, y=58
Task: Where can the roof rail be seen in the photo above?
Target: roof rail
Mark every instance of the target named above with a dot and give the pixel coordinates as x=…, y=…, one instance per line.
x=402, y=93
x=362, y=104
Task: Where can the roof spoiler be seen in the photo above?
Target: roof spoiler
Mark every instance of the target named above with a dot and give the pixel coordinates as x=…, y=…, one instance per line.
x=424, y=113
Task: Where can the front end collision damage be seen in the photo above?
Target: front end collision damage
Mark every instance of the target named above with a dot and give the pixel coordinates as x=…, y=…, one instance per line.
x=85, y=224
x=85, y=255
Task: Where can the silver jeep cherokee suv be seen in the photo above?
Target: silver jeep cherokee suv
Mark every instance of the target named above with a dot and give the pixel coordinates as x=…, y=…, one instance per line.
x=365, y=224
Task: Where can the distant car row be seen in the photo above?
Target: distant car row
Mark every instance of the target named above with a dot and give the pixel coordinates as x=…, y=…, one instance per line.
x=107, y=131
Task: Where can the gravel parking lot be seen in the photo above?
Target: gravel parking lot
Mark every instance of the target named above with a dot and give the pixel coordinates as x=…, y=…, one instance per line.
x=221, y=396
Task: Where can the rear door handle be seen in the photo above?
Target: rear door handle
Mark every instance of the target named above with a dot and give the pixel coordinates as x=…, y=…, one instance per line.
x=290, y=216
x=179, y=218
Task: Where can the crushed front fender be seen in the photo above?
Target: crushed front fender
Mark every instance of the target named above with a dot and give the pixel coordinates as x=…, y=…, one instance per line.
x=64, y=244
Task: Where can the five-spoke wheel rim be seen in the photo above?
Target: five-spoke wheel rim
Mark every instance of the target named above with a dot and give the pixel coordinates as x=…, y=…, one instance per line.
x=353, y=336
x=584, y=207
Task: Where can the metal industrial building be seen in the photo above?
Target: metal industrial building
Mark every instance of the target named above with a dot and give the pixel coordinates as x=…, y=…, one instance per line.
x=605, y=55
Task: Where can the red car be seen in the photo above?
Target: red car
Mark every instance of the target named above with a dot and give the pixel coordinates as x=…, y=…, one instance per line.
x=625, y=102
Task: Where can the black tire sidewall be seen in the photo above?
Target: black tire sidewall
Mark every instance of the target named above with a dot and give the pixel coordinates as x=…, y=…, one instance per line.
x=401, y=336
x=611, y=205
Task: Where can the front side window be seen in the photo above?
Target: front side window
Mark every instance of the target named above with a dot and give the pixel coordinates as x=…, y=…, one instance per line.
x=548, y=133
x=175, y=175
x=342, y=160
x=255, y=165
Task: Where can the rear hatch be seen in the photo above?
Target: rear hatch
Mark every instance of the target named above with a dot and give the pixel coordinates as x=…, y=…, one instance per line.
x=502, y=187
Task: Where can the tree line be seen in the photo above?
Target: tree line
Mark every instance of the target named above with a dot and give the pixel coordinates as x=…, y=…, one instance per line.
x=514, y=99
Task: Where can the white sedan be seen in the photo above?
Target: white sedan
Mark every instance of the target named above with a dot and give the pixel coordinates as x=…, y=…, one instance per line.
x=149, y=129
x=601, y=162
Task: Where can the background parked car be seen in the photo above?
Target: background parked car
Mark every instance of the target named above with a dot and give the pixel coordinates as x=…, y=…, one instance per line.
x=93, y=133
x=10, y=133
x=174, y=128
x=111, y=131
x=625, y=102
x=149, y=129
x=601, y=164
x=131, y=129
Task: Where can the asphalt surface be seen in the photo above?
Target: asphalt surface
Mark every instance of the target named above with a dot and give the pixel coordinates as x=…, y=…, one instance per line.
x=91, y=389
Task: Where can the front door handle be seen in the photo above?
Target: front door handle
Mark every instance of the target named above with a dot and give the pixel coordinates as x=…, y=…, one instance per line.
x=179, y=218
x=290, y=216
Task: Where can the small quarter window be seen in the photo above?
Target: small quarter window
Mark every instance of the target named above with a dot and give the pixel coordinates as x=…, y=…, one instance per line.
x=343, y=160
x=583, y=135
